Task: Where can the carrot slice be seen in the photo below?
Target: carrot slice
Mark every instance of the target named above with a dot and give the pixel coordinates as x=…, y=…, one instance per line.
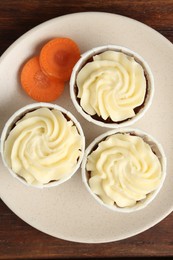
x=37, y=85
x=58, y=57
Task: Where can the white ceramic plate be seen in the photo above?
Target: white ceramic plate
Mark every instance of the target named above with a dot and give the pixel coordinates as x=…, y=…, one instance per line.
x=68, y=211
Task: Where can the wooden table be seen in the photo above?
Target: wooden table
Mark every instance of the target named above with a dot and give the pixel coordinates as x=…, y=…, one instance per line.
x=18, y=239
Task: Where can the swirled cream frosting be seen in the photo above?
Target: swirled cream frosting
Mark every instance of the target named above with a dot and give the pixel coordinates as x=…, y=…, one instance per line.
x=43, y=146
x=111, y=86
x=123, y=169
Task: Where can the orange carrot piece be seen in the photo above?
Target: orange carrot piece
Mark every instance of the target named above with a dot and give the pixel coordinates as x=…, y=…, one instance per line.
x=37, y=85
x=58, y=57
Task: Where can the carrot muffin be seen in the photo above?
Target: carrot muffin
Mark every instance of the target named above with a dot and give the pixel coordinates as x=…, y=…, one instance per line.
x=111, y=87
x=43, y=146
x=124, y=170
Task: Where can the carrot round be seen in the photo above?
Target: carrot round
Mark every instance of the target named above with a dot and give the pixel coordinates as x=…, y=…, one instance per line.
x=37, y=85
x=58, y=57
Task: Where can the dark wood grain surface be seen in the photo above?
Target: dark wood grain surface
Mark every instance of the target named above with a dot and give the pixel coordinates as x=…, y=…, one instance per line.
x=18, y=239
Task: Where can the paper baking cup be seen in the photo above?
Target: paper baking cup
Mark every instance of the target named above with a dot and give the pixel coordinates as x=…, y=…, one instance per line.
x=18, y=115
x=156, y=148
x=149, y=77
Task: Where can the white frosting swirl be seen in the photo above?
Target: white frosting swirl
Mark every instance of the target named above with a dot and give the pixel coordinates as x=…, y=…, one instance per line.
x=43, y=146
x=124, y=170
x=111, y=86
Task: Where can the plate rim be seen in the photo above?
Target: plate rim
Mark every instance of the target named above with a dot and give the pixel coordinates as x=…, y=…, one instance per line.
x=2, y=56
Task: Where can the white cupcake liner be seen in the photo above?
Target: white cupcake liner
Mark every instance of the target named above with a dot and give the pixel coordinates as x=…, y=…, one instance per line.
x=18, y=115
x=148, y=73
x=156, y=148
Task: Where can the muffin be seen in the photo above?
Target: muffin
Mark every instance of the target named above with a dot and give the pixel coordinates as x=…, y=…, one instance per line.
x=111, y=86
x=42, y=145
x=124, y=169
